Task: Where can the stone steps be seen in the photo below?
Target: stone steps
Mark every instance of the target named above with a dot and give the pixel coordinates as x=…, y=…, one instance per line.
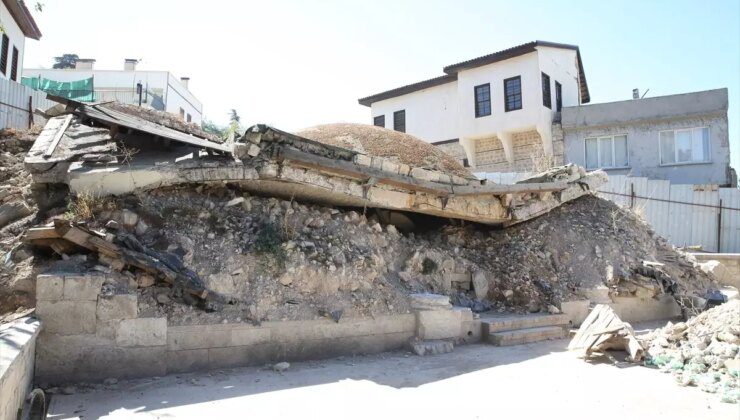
x=513, y=330
x=527, y=335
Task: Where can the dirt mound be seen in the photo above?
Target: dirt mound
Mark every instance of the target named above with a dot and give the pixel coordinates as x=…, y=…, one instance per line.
x=377, y=141
x=702, y=351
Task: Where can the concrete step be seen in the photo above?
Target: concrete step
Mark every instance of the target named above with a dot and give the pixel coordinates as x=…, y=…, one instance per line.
x=518, y=322
x=526, y=335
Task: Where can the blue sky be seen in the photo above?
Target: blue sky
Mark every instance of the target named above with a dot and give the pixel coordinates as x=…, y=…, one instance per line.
x=299, y=63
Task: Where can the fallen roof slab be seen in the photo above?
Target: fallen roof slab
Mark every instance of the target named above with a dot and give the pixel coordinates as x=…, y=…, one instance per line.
x=273, y=162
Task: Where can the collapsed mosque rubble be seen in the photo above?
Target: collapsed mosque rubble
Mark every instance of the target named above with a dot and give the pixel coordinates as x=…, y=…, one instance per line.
x=101, y=150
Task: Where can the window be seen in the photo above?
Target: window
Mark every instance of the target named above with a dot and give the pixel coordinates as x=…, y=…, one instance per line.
x=466, y=163
x=190, y=118
x=14, y=66
x=558, y=96
x=546, y=96
x=399, y=121
x=182, y=114
x=606, y=152
x=483, y=100
x=379, y=121
x=684, y=146
x=513, y=93
x=4, y=55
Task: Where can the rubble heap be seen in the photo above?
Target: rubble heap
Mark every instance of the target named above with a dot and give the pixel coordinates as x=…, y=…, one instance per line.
x=702, y=351
x=273, y=259
x=17, y=211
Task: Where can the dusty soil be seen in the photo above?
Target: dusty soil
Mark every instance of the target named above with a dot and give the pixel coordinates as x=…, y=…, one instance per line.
x=531, y=381
x=377, y=141
x=168, y=120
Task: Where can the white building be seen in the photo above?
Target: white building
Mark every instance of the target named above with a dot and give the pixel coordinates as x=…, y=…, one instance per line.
x=160, y=90
x=16, y=24
x=494, y=112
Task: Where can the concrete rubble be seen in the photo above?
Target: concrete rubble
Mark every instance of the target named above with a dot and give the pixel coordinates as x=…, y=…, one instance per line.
x=702, y=351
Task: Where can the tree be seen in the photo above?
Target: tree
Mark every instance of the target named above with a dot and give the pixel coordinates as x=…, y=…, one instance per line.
x=235, y=126
x=66, y=61
x=213, y=128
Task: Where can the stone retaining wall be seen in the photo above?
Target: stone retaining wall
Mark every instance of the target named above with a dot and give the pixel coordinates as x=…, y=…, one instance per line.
x=89, y=336
x=17, y=347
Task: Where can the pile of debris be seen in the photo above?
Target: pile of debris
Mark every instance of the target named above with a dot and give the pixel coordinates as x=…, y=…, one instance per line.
x=17, y=212
x=702, y=351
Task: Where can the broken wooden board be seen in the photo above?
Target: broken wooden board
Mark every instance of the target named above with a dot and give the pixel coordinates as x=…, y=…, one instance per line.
x=603, y=330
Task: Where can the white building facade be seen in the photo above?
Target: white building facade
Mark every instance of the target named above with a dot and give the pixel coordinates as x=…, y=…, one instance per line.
x=495, y=113
x=16, y=24
x=160, y=90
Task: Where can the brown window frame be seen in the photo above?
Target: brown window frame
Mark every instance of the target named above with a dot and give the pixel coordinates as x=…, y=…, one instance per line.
x=399, y=124
x=4, y=54
x=14, y=64
x=507, y=105
x=379, y=121
x=482, y=98
x=546, y=91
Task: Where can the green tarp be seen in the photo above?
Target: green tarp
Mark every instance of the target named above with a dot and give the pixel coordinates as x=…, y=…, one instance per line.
x=79, y=90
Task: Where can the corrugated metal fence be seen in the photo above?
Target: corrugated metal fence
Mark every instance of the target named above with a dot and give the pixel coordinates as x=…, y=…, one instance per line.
x=686, y=215
x=17, y=103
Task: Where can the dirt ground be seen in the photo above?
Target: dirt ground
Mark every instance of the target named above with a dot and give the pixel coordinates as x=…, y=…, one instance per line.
x=538, y=380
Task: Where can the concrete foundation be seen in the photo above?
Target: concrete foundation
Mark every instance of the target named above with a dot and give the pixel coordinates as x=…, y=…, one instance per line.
x=94, y=336
x=629, y=309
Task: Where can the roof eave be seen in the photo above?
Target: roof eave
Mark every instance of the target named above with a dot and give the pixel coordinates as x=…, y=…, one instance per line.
x=23, y=18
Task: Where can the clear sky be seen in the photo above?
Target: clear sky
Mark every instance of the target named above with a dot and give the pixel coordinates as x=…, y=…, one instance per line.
x=299, y=63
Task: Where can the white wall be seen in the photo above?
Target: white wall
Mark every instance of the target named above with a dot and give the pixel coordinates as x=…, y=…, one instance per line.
x=562, y=66
x=431, y=114
x=175, y=94
x=17, y=39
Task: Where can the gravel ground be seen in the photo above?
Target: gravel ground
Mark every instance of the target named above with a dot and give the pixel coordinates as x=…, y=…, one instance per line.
x=538, y=380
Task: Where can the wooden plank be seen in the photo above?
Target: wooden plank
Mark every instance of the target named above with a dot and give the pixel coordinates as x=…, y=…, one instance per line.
x=58, y=136
x=45, y=232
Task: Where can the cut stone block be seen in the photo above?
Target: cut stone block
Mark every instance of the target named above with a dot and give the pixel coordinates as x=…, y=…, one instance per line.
x=429, y=301
x=67, y=317
x=117, y=307
x=576, y=310
x=142, y=332
x=436, y=325
x=516, y=322
x=49, y=287
x=431, y=347
x=480, y=284
x=528, y=335
x=82, y=287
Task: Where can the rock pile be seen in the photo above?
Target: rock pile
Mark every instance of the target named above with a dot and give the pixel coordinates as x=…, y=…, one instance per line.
x=702, y=351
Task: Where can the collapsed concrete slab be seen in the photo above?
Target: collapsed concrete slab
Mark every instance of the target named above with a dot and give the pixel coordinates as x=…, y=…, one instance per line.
x=273, y=162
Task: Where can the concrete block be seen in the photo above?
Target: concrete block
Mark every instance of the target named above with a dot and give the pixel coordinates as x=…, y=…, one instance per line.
x=632, y=309
x=82, y=287
x=431, y=347
x=455, y=281
x=436, y=325
x=576, y=311
x=364, y=160
x=142, y=332
x=189, y=337
x=529, y=335
x=422, y=174
x=471, y=331
x=49, y=287
x=480, y=284
x=404, y=169
x=67, y=317
x=429, y=301
x=107, y=329
x=249, y=336
x=117, y=307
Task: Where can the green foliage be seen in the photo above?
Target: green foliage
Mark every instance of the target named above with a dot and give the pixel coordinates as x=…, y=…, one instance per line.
x=428, y=266
x=269, y=241
x=211, y=127
x=235, y=125
x=66, y=61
